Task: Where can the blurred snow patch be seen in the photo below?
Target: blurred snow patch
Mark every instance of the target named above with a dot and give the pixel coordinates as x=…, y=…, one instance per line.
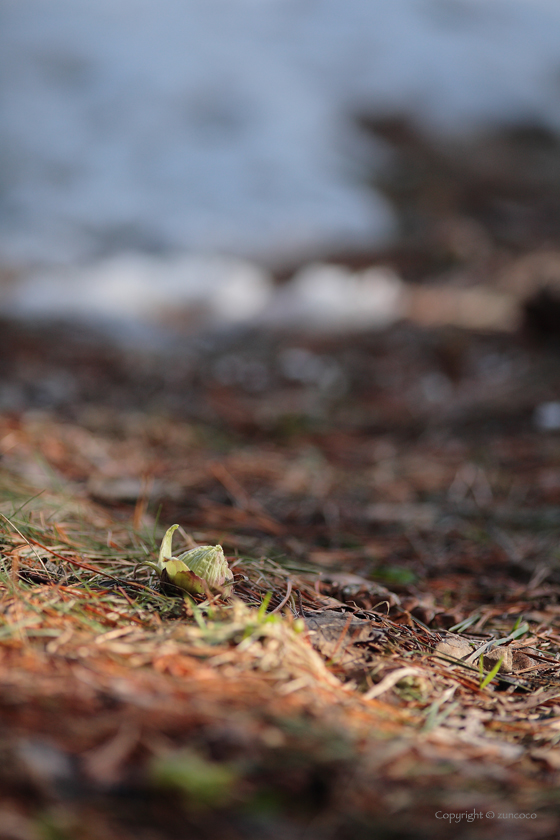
x=134, y=287
x=333, y=298
x=201, y=291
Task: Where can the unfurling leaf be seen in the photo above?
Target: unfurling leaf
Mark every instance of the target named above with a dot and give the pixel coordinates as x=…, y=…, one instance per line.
x=165, y=551
x=197, y=570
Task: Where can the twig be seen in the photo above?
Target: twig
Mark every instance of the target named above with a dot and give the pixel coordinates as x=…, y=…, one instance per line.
x=389, y=681
x=285, y=600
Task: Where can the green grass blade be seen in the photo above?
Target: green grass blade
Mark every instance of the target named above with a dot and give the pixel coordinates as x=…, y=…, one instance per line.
x=264, y=606
x=490, y=676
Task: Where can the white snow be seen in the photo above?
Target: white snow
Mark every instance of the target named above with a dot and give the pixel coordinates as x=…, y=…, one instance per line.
x=219, y=290
x=144, y=288
x=226, y=126
x=331, y=298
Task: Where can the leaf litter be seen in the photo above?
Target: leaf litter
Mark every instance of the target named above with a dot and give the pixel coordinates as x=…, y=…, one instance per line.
x=391, y=643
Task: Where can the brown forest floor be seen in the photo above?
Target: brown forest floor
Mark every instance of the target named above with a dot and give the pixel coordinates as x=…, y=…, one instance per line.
x=395, y=495
x=400, y=489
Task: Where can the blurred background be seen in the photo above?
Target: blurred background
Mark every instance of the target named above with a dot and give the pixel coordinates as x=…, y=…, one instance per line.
x=282, y=214
x=192, y=154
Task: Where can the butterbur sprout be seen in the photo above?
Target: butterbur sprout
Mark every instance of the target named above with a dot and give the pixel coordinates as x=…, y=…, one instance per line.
x=195, y=571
